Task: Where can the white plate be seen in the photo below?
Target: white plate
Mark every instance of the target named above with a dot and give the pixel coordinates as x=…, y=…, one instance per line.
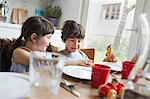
x=13, y=85
x=78, y=72
x=114, y=66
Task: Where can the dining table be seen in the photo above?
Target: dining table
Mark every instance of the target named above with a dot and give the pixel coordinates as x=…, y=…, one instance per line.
x=82, y=86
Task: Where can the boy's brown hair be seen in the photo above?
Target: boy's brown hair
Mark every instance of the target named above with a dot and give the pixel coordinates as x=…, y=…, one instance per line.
x=72, y=29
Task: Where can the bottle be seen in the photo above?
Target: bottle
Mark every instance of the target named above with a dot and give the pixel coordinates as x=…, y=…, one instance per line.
x=39, y=12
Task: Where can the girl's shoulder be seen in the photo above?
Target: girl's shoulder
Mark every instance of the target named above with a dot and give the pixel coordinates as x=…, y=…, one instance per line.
x=21, y=56
x=21, y=50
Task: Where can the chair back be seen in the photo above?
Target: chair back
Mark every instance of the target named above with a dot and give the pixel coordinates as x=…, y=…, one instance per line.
x=6, y=49
x=90, y=52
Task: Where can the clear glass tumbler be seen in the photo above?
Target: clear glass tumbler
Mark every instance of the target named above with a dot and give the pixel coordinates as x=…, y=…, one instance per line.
x=45, y=73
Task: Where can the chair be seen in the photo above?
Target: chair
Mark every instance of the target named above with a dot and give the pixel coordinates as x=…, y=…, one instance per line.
x=90, y=52
x=6, y=48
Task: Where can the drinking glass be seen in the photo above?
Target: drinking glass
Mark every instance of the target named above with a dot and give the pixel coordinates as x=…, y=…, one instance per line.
x=100, y=75
x=136, y=90
x=45, y=73
x=127, y=67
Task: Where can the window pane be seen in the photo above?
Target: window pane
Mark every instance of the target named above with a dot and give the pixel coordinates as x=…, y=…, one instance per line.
x=100, y=43
x=113, y=8
x=117, y=16
x=113, y=16
x=99, y=34
x=104, y=7
x=118, y=7
x=110, y=9
x=107, y=16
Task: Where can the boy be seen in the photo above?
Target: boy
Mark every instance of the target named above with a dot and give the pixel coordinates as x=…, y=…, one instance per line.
x=72, y=35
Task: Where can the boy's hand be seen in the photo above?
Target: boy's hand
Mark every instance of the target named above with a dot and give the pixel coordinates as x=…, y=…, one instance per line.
x=84, y=62
x=80, y=62
x=89, y=62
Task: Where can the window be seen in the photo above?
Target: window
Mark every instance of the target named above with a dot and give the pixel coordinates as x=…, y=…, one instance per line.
x=111, y=11
x=99, y=34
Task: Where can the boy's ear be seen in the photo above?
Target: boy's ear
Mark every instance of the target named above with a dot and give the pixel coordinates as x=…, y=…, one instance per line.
x=34, y=37
x=62, y=39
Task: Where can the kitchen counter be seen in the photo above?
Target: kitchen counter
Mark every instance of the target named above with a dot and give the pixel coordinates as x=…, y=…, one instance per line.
x=10, y=25
x=8, y=30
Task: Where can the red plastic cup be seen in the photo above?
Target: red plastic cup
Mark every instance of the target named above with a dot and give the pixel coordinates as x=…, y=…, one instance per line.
x=127, y=67
x=100, y=74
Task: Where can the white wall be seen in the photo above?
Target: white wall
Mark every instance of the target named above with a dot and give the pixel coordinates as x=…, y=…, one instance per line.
x=10, y=31
x=70, y=9
x=29, y=5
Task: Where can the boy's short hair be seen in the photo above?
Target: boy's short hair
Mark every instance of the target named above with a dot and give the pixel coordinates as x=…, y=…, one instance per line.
x=71, y=29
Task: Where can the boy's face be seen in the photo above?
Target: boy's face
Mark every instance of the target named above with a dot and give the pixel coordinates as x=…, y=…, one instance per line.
x=72, y=44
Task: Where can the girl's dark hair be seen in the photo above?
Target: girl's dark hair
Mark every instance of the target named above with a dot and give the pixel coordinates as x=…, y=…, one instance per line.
x=35, y=24
x=71, y=29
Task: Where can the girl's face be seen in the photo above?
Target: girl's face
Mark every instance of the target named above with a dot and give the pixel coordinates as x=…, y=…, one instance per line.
x=72, y=44
x=43, y=42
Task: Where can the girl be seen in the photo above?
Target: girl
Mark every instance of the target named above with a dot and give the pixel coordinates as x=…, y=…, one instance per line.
x=35, y=34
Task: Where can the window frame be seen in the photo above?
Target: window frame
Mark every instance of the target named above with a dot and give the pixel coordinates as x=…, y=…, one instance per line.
x=111, y=11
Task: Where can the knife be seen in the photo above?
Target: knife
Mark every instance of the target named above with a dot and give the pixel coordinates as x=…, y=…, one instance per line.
x=69, y=87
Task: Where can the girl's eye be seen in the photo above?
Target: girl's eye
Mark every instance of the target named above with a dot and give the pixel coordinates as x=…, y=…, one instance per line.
x=48, y=37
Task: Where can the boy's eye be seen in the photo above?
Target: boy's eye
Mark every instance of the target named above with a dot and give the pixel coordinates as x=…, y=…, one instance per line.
x=72, y=40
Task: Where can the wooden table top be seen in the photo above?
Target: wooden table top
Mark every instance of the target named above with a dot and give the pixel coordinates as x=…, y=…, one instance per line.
x=82, y=86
